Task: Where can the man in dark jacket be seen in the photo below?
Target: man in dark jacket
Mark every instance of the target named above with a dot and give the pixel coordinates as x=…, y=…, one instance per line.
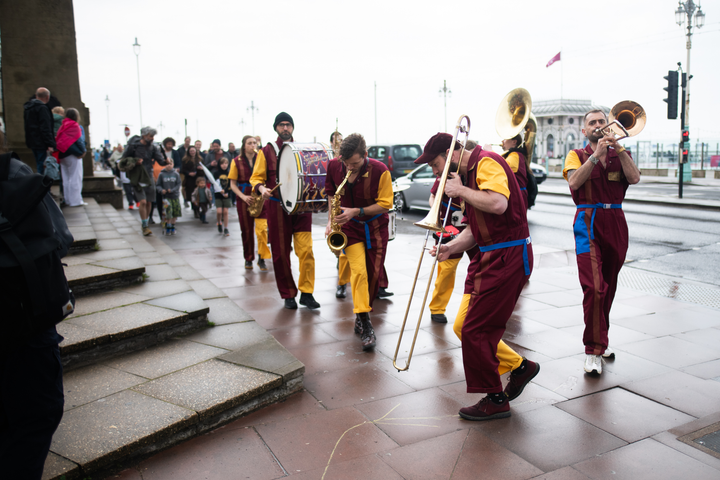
x=39, y=136
x=147, y=153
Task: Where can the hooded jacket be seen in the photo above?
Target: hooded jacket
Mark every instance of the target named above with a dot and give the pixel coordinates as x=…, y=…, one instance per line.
x=39, y=129
x=149, y=153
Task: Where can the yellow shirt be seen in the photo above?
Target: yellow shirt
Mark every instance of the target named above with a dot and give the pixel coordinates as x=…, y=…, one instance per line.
x=385, y=191
x=491, y=176
x=259, y=175
x=572, y=162
x=513, y=161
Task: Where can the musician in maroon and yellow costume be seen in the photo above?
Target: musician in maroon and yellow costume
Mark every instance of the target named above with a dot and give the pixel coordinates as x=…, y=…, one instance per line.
x=365, y=200
x=287, y=232
x=497, y=220
x=599, y=175
x=241, y=170
x=515, y=155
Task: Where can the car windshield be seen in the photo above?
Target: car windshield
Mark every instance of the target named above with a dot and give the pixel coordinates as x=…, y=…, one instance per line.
x=407, y=152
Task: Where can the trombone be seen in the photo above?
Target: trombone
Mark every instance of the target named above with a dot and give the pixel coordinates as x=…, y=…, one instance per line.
x=431, y=224
x=626, y=119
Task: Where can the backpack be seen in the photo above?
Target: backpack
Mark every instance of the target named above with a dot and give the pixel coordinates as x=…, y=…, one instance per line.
x=532, y=189
x=34, y=292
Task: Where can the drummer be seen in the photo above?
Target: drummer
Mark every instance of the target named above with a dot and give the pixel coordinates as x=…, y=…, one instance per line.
x=366, y=198
x=287, y=232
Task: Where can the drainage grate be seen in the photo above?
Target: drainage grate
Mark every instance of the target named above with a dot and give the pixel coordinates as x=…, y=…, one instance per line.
x=668, y=287
x=710, y=441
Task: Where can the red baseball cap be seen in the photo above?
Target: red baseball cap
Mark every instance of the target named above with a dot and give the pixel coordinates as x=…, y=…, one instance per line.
x=438, y=143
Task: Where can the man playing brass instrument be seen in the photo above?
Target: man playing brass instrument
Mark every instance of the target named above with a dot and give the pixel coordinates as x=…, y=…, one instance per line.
x=284, y=228
x=495, y=209
x=598, y=177
x=365, y=200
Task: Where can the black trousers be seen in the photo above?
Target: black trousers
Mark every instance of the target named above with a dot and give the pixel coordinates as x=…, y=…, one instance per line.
x=31, y=405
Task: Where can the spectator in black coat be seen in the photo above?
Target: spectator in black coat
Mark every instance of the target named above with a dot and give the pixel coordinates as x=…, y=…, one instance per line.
x=39, y=128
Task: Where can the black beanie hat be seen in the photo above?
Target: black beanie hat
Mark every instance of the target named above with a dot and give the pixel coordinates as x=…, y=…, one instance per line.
x=216, y=141
x=283, y=117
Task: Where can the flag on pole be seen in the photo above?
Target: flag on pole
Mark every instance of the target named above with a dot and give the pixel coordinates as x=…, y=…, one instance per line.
x=556, y=58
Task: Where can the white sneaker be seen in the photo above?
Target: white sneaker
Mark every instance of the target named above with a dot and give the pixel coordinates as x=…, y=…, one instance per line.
x=593, y=364
x=609, y=353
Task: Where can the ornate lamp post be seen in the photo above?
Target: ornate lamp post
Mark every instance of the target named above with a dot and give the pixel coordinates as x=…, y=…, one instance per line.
x=689, y=10
x=136, y=49
x=107, y=105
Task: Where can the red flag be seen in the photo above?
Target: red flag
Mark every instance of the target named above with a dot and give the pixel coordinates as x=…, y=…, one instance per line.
x=556, y=58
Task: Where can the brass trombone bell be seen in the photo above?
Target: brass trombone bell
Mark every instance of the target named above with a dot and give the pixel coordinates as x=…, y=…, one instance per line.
x=529, y=138
x=513, y=113
x=626, y=119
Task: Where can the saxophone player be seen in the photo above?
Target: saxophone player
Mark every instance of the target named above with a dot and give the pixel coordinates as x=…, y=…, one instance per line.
x=365, y=200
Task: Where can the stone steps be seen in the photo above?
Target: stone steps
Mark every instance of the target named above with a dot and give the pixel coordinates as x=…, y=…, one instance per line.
x=143, y=368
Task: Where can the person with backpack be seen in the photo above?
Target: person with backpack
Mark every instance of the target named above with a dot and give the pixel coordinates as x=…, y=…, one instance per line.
x=35, y=297
x=71, y=147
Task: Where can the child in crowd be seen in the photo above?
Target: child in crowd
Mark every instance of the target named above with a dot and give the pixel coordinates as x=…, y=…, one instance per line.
x=222, y=198
x=168, y=185
x=201, y=198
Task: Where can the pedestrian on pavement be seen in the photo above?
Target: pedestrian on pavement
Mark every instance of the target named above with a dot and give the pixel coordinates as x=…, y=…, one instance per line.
x=201, y=198
x=222, y=198
x=286, y=231
x=182, y=151
x=192, y=169
x=169, y=187
x=214, y=155
x=232, y=151
x=198, y=146
x=496, y=213
x=39, y=130
x=599, y=175
x=241, y=170
x=522, y=371
x=71, y=147
x=365, y=199
x=146, y=154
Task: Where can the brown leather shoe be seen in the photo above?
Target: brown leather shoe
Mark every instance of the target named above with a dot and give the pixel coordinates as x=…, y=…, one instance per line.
x=518, y=381
x=486, y=409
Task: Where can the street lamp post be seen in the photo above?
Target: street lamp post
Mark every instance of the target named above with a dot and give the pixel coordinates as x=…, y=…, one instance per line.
x=136, y=49
x=107, y=105
x=252, y=109
x=445, y=91
x=687, y=9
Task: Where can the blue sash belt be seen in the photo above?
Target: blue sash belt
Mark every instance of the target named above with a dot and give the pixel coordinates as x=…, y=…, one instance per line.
x=452, y=209
x=367, y=229
x=604, y=206
x=524, y=189
x=513, y=243
x=244, y=185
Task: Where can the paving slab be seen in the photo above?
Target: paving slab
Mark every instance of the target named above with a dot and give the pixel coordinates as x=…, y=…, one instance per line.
x=158, y=289
x=182, y=302
x=101, y=432
x=129, y=320
x=165, y=358
x=99, y=302
x=224, y=311
x=231, y=337
x=210, y=387
x=268, y=356
x=160, y=272
x=206, y=289
x=59, y=468
x=88, y=384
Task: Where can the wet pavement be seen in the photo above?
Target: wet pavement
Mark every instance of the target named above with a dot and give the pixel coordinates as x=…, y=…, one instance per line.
x=358, y=417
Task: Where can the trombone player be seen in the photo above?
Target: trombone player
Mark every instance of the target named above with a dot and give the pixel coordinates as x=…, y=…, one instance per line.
x=599, y=176
x=365, y=198
x=506, y=359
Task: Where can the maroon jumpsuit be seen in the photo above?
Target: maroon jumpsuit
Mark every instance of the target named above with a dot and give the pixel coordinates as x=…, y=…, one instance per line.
x=601, y=242
x=370, y=230
x=502, y=272
x=281, y=227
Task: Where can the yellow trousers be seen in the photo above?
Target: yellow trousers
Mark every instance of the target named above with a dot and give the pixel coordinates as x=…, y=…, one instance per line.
x=261, y=232
x=508, y=358
x=302, y=243
x=444, y=285
x=355, y=254
x=343, y=270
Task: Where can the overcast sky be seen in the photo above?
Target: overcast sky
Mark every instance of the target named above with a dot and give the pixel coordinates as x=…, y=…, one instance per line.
x=208, y=61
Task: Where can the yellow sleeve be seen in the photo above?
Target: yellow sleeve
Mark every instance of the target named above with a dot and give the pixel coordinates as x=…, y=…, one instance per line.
x=385, y=191
x=491, y=176
x=233, y=174
x=572, y=162
x=259, y=175
x=513, y=161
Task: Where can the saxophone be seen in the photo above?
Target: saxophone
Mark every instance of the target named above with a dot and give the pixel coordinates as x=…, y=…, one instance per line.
x=258, y=201
x=337, y=240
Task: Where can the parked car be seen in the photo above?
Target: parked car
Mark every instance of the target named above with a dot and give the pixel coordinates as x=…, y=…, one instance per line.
x=539, y=172
x=417, y=193
x=398, y=158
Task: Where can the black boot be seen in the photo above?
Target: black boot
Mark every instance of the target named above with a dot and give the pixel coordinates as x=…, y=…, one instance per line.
x=340, y=292
x=308, y=300
x=358, y=324
x=368, y=334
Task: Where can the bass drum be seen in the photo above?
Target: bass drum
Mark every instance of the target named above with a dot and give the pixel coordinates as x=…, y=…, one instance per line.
x=301, y=171
x=392, y=225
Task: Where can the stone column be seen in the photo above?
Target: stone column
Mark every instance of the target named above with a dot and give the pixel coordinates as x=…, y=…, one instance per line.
x=39, y=50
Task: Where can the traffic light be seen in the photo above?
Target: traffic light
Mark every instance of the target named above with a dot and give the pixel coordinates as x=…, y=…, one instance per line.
x=672, y=89
x=685, y=144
